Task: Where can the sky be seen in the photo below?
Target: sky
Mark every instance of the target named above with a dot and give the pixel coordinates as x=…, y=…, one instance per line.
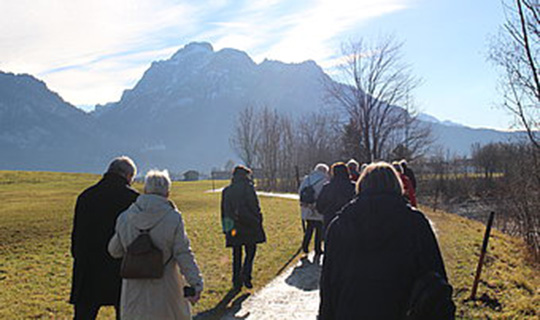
x=90, y=51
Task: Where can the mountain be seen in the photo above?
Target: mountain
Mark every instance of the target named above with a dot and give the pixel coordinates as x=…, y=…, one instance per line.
x=40, y=131
x=457, y=139
x=183, y=109
x=179, y=115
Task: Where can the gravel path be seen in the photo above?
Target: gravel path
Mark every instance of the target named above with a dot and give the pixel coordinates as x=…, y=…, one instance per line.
x=292, y=295
x=291, y=196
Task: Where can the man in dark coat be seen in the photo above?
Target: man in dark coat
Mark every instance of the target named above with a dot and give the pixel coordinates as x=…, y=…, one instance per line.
x=335, y=194
x=242, y=224
x=96, y=281
x=375, y=249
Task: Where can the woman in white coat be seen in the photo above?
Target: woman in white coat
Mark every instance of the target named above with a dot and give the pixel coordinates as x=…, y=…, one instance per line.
x=157, y=298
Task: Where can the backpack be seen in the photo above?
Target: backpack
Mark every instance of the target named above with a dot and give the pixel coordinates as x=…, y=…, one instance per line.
x=307, y=194
x=431, y=298
x=143, y=259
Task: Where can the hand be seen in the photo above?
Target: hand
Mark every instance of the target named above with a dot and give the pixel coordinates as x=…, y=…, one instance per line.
x=194, y=299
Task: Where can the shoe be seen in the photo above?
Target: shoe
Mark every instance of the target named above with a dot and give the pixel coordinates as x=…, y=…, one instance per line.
x=248, y=284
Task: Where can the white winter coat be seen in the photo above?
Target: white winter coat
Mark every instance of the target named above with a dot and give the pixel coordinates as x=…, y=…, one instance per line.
x=317, y=179
x=157, y=298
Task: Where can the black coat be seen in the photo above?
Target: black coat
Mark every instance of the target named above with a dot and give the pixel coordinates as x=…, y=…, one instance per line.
x=95, y=273
x=375, y=248
x=334, y=195
x=241, y=215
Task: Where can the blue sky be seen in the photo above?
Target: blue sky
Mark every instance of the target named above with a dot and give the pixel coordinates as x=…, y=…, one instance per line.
x=90, y=51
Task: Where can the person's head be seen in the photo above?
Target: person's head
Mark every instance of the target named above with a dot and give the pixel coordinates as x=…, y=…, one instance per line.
x=123, y=166
x=158, y=183
x=379, y=177
x=352, y=165
x=339, y=170
x=321, y=167
x=398, y=167
x=241, y=172
x=403, y=164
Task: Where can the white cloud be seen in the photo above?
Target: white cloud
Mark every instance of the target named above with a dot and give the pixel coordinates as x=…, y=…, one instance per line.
x=90, y=51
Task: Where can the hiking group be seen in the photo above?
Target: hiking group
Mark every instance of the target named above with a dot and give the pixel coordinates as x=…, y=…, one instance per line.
x=381, y=258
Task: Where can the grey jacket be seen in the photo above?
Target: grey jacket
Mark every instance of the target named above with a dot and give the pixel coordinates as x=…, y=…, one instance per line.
x=317, y=179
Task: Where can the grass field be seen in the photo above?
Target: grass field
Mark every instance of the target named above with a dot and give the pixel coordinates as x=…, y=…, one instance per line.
x=35, y=265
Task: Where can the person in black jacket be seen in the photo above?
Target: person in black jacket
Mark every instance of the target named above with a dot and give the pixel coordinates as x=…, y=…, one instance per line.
x=375, y=249
x=336, y=193
x=241, y=220
x=96, y=281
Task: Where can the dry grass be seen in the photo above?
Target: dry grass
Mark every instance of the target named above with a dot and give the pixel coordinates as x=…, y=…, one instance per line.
x=509, y=283
x=35, y=226
x=35, y=265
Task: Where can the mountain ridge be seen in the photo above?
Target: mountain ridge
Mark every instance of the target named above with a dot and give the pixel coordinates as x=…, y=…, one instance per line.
x=180, y=114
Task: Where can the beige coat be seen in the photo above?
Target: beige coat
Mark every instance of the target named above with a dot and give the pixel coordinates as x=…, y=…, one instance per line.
x=163, y=298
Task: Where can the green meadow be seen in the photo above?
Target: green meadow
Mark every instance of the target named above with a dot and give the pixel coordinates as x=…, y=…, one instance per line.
x=36, y=214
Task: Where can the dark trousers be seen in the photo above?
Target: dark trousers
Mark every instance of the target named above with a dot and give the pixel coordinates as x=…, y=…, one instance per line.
x=241, y=272
x=317, y=226
x=89, y=311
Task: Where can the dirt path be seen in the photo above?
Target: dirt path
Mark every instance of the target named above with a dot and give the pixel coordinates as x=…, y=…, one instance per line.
x=292, y=295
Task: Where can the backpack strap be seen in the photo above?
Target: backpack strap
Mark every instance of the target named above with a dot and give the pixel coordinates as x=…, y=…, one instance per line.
x=147, y=231
x=321, y=179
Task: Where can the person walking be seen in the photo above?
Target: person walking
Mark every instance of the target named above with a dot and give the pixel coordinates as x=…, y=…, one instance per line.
x=335, y=194
x=312, y=220
x=408, y=172
x=96, y=281
x=408, y=188
x=353, y=167
x=155, y=213
x=375, y=251
x=242, y=224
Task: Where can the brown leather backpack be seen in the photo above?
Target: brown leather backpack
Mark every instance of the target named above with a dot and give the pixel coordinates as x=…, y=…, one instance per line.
x=143, y=259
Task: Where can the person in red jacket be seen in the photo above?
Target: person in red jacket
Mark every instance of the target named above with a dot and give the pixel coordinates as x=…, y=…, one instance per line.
x=408, y=187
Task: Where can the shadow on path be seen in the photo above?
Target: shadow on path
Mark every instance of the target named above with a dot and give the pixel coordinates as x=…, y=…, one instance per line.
x=306, y=276
x=289, y=261
x=221, y=308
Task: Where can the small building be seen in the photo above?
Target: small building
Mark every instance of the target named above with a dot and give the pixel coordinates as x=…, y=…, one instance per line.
x=191, y=175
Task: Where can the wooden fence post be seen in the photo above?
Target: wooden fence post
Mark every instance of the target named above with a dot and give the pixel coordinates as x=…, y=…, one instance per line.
x=297, y=172
x=482, y=255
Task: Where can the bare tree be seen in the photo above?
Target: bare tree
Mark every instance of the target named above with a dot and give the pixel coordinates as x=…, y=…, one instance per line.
x=414, y=136
x=288, y=151
x=516, y=51
x=269, y=147
x=246, y=136
x=318, y=139
x=375, y=83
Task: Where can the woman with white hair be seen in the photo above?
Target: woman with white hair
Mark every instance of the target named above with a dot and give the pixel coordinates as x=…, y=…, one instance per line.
x=161, y=298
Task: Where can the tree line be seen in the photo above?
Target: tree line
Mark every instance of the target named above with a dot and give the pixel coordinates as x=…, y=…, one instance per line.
x=373, y=117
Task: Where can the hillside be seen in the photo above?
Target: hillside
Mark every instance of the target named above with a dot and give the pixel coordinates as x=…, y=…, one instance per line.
x=41, y=131
x=35, y=264
x=179, y=115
